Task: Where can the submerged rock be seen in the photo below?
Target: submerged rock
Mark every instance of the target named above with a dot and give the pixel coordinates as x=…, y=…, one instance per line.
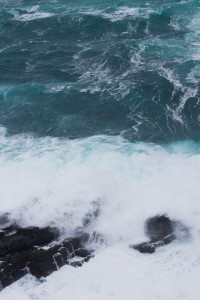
x=161, y=231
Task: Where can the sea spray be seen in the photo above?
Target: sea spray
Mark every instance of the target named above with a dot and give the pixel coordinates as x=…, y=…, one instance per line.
x=99, y=103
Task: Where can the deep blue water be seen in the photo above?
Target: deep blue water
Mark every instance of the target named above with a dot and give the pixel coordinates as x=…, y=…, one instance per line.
x=79, y=68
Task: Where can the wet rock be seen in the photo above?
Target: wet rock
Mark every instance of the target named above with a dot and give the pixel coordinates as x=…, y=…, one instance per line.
x=64, y=252
x=45, y=261
x=59, y=259
x=158, y=227
x=13, y=267
x=31, y=250
x=161, y=231
x=145, y=247
x=42, y=263
x=82, y=256
x=83, y=252
x=14, y=239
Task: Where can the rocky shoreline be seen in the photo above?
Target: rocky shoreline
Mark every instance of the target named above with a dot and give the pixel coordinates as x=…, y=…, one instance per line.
x=41, y=251
x=38, y=251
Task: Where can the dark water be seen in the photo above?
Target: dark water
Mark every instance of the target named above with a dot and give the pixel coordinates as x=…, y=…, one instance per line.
x=79, y=68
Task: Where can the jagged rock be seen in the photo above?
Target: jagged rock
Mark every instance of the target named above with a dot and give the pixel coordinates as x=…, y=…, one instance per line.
x=161, y=231
x=21, y=252
x=78, y=262
x=82, y=252
x=15, y=239
x=45, y=261
x=13, y=267
x=42, y=263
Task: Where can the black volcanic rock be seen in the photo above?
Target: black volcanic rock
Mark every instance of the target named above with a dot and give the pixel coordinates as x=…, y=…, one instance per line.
x=44, y=261
x=16, y=239
x=145, y=247
x=13, y=267
x=38, y=251
x=82, y=252
x=158, y=227
x=161, y=231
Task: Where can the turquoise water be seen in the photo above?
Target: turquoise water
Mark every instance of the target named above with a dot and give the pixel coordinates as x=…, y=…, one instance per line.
x=79, y=68
x=100, y=104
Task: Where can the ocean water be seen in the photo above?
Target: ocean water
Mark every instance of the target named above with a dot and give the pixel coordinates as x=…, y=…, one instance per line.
x=100, y=105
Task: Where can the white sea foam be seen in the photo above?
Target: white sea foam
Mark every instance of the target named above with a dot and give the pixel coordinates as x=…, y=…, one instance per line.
x=187, y=92
x=121, y=13
x=55, y=181
x=33, y=16
x=31, y=13
x=119, y=273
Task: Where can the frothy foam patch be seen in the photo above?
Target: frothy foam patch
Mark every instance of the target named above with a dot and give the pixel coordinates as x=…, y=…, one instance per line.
x=54, y=181
x=118, y=272
x=33, y=16
x=31, y=13
x=120, y=13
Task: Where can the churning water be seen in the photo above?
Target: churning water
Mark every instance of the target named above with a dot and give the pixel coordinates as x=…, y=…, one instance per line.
x=100, y=103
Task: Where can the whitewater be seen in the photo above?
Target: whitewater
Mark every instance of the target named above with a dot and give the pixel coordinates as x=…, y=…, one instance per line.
x=56, y=182
x=99, y=107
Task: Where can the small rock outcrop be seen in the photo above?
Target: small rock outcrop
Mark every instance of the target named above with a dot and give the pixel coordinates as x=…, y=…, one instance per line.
x=161, y=231
x=158, y=228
